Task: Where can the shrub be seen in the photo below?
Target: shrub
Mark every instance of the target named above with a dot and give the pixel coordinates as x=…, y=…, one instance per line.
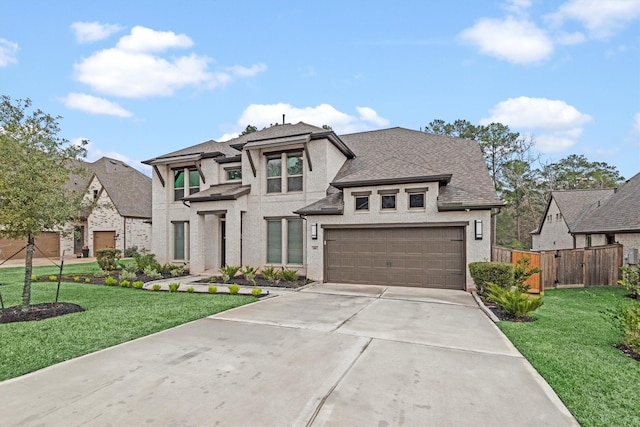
x=483, y=273
x=87, y=280
x=289, y=275
x=130, y=252
x=234, y=289
x=76, y=278
x=100, y=273
x=138, y=284
x=522, y=272
x=156, y=287
x=130, y=267
x=249, y=273
x=53, y=278
x=631, y=323
x=34, y=278
x=513, y=301
x=270, y=273
x=110, y=281
x=124, y=283
x=176, y=271
x=630, y=279
x=127, y=275
x=107, y=258
x=190, y=289
x=212, y=289
x=144, y=260
x=229, y=271
x=152, y=273
x=256, y=292
x=173, y=287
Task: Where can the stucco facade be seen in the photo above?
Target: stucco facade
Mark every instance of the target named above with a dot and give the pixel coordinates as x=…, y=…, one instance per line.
x=225, y=219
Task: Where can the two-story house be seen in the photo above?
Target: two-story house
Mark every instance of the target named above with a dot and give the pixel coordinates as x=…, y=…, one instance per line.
x=393, y=206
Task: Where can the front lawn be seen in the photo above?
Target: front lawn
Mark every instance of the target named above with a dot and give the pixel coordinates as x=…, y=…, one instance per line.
x=572, y=347
x=113, y=315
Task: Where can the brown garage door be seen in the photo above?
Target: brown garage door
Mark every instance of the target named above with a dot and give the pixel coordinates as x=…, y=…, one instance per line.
x=47, y=245
x=103, y=240
x=422, y=257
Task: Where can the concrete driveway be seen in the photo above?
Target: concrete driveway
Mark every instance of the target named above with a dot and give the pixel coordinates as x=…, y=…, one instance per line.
x=330, y=355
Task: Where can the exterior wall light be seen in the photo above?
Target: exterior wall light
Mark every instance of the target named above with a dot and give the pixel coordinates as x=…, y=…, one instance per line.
x=478, y=229
x=314, y=231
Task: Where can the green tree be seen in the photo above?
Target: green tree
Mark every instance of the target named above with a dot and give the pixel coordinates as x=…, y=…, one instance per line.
x=249, y=129
x=35, y=168
x=327, y=127
x=575, y=172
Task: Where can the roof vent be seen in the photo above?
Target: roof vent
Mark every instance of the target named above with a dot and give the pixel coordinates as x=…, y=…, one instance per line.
x=113, y=162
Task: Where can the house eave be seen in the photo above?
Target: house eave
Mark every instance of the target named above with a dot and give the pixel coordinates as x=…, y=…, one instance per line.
x=448, y=207
x=445, y=179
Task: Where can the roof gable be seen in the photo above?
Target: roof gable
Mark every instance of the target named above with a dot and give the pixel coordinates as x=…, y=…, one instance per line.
x=618, y=211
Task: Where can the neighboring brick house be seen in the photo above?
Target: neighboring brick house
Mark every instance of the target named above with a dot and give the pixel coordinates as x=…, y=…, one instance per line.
x=120, y=218
x=392, y=207
x=592, y=218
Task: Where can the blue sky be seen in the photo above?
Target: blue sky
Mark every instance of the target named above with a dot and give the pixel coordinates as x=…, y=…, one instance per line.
x=143, y=78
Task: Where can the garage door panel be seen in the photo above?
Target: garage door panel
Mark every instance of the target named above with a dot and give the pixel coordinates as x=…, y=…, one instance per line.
x=403, y=256
x=47, y=245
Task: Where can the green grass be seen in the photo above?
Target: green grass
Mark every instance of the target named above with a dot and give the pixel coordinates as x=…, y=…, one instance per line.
x=572, y=347
x=113, y=315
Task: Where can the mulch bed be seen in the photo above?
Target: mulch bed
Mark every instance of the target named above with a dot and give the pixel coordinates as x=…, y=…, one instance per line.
x=627, y=350
x=502, y=314
x=38, y=312
x=99, y=280
x=261, y=282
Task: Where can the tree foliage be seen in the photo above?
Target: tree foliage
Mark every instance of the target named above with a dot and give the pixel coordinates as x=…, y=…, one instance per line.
x=524, y=188
x=35, y=168
x=249, y=129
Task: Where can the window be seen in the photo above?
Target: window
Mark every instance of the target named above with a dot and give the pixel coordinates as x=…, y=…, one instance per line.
x=588, y=240
x=234, y=174
x=274, y=174
x=95, y=194
x=611, y=239
x=178, y=182
x=293, y=169
x=180, y=233
x=361, y=200
x=294, y=239
x=362, y=203
x=294, y=172
x=274, y=242
x=388, y=201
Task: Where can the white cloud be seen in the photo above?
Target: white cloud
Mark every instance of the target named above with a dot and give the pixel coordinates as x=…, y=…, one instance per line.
x=144, y=39
x=135, y=69
x=87, y=32
x=263, y=115
x=516, y=41
x=602, y=18
x=8, y=52
x=94, y=105
x=635, y=130
x=555, y=124
x=570, y=38
x=519, y=7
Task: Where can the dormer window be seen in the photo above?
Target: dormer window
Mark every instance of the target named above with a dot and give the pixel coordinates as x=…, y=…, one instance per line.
x=275, y=172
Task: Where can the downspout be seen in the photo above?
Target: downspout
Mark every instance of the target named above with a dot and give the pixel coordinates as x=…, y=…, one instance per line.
x=124, y=234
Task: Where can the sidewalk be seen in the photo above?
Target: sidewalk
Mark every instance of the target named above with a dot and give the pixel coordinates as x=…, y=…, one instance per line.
x=39, y=262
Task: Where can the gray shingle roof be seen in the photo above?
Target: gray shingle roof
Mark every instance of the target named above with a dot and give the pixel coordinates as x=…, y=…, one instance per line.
x=333, y=204
x=129, y=189
x=618, y=211
x=207, y=147
x=572, y=203
x=403, y=155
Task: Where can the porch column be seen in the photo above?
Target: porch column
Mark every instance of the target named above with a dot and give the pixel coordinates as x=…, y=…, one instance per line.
x=196, y=243
x=233, y=238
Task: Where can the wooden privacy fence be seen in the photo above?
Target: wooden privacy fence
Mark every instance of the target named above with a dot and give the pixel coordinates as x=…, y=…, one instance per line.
x=594, y=266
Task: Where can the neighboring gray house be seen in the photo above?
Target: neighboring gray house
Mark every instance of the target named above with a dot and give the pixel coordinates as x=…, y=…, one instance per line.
x=392, y=207
x=564, y=209
x=592, y=218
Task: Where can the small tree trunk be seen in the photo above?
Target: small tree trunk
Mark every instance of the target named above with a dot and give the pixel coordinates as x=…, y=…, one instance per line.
x=26, y=291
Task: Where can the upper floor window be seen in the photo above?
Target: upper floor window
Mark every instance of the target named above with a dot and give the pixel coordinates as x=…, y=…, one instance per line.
x=179, y=182
x=234, y=174
x=388, y=199
x=361, y=200
x=417, y=197
x=276, y=173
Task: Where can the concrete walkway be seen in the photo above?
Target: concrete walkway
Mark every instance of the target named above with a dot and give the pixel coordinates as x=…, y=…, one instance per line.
x=329, y=355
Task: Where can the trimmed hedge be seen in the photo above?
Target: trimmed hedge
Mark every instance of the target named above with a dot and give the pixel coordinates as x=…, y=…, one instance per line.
x=500, y=273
